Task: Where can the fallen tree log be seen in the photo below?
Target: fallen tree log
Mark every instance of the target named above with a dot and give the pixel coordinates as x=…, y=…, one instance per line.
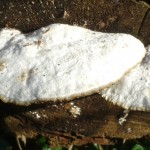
x=87, y=119
x=98, y=119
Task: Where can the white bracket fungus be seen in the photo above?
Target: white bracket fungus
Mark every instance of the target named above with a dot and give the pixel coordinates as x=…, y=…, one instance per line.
x=60, y=62
x=132, y=91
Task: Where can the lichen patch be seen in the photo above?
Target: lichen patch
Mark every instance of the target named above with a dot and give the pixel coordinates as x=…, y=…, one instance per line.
x=75, y=111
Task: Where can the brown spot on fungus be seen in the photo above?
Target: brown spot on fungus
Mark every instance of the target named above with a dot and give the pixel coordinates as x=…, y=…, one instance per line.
x=2, y=65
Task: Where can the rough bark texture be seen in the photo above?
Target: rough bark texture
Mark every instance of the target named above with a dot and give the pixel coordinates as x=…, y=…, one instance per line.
x=109, y=16
x=98, y=121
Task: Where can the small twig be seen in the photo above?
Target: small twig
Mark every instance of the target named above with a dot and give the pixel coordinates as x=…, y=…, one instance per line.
x=23, y=139
x=70, y=147
x=18, y=143
x=100, y=147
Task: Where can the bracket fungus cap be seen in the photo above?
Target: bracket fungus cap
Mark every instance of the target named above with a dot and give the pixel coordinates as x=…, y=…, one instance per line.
x=62, y=62
x=132, y=91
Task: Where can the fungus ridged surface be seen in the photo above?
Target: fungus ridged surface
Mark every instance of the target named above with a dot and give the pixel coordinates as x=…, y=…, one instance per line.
x=62, y=62
x=132, y=91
